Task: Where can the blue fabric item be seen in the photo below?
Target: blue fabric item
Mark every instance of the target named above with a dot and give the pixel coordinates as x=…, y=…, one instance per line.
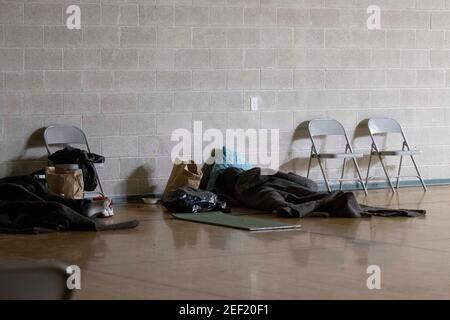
x=225, y=158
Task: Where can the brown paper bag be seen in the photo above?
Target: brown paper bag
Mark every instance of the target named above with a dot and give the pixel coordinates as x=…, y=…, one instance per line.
x=184, y=174
x=66, y=182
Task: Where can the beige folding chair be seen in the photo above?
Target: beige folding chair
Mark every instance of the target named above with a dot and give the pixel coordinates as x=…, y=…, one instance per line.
x=383, y=126
x=331, y=127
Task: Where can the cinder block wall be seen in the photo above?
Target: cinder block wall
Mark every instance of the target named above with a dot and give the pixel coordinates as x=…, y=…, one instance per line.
x=139, y=69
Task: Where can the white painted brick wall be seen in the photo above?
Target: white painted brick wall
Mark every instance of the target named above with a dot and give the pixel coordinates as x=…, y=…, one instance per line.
x=139, y=69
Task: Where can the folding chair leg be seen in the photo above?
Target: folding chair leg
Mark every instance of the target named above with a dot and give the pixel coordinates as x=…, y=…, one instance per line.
x=368, y=169
x=360, y=177
x=386, y=173
x=399, y=171
x=342, y=175
x=418, y=172
x=324, y=175
x=309, y=166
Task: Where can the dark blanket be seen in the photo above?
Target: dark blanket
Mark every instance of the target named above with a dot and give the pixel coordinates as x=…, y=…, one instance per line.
x=27, y=206
x=85, y=161
x=290, y=195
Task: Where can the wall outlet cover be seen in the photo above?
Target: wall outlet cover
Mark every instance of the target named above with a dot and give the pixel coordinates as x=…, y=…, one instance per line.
x=253, y=103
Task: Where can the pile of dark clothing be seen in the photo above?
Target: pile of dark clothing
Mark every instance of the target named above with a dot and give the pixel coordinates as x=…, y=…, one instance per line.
x=27, y=206
x=85, y=160
x=290, y=195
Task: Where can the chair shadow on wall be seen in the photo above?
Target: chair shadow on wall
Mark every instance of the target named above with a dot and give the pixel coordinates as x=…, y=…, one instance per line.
x=297, y=164
x=32, y=157
x=139, y=181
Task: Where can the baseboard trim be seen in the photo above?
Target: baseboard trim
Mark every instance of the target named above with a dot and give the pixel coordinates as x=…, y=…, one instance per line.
x=385, y=185
x=133, y=198
x=335, y=186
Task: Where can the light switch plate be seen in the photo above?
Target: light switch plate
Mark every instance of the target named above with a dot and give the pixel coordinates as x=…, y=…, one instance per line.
x=253, y=103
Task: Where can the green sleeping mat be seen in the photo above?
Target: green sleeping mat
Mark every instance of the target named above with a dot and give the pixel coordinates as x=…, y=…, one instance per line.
x=235, y=221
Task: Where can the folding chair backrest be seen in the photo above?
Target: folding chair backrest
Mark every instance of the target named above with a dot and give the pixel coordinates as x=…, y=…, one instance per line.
x=325, y=127
x=383, y=125
x=64, y=135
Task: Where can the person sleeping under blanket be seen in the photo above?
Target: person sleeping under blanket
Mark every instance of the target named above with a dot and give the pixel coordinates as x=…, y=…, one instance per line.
x=27, y=206
x=290, y=195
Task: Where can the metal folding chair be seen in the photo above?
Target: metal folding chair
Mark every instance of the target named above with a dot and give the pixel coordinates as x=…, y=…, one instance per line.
x=383, y=126
x=331, y=127
x=66, y=135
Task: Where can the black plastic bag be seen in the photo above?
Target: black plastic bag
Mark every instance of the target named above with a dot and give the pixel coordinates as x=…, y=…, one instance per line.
x=190, y=200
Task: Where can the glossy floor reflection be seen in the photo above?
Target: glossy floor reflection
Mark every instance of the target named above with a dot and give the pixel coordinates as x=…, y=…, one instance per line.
x=327, y=258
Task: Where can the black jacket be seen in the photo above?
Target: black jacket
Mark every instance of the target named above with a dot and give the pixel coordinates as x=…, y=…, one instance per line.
x=27, y=206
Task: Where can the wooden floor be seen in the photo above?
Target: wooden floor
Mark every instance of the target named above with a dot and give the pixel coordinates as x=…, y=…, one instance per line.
x=327, y=258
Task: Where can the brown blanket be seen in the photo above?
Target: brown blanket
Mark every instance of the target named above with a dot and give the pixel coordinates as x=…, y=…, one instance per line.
x=290, y=195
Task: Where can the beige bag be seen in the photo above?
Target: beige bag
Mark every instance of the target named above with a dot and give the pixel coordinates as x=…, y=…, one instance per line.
x=66, y=182
x=184, y=174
